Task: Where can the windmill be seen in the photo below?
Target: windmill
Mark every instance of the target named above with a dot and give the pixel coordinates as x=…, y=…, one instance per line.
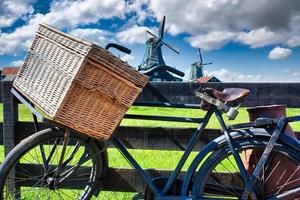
x=197, y=68
x=153, y=63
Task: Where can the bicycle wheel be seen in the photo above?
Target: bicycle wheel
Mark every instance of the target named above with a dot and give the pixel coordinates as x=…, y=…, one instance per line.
x=30, y=170
x=219, y=176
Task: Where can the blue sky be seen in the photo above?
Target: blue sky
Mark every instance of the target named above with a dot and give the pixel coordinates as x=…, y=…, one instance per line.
x=245, y=41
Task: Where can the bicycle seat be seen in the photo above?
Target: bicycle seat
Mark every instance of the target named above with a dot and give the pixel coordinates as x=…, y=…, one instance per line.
x=228, y=94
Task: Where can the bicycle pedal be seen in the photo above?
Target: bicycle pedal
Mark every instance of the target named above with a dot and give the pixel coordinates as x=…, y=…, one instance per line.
x=138, y=196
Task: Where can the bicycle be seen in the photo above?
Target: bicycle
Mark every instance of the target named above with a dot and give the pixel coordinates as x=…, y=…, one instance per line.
x=45, y=165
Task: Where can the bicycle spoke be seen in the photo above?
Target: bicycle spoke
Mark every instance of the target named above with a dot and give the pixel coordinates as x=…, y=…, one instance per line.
x=23, y=179
x=33, y=157
x=235, y=193
x=35, y=167
x=51, y=153
x=42, y=151
x=72, y=154
x=73, y=168
x=287, y=182
x=271, y=182
x=61, y=159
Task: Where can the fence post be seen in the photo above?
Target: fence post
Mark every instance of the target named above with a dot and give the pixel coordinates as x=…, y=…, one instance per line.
x=10, y=115
x=10, y=120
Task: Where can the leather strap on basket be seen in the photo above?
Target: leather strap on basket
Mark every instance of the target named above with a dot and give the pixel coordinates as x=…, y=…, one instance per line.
x=106, y=91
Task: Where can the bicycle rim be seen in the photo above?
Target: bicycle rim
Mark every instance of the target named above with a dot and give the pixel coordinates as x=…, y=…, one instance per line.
x=30, y=171
x=219, y=177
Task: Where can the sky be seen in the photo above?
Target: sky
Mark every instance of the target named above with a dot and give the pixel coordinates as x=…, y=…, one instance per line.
x=246, y=40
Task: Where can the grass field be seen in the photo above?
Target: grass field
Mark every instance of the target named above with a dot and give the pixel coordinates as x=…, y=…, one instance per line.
x=152, y=158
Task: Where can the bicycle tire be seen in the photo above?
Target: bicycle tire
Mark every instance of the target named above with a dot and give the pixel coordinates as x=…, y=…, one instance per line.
x=210, y=183
x=34, y=177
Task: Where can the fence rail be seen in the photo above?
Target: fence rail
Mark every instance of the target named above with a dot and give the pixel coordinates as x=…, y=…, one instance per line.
x=158, y=138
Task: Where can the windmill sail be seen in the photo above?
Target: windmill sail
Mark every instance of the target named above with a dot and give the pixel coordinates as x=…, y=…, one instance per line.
x=197, y=69
x=162, y=27
x=153, y=63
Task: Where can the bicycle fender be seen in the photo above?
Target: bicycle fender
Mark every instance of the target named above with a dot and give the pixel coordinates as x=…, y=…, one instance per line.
x=214, y=145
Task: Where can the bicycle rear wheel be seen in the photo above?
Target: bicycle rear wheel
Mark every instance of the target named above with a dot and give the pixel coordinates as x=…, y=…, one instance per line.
x=30, y=170
x=219, y=177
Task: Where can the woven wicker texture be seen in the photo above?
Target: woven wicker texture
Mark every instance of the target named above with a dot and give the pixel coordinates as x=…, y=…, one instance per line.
x=78, y=83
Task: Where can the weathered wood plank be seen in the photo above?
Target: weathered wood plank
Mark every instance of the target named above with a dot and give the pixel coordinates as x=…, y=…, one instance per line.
x=158, y=138
x=1, y=101
x=10, y=115
x=10, y=120
x=127, y=180
x=261, y=93
x=154, y=138
x=117, y=179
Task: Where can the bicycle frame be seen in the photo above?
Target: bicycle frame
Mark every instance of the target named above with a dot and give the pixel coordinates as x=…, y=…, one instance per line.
x=203, y=122
x=162, y=194
x=179, y=166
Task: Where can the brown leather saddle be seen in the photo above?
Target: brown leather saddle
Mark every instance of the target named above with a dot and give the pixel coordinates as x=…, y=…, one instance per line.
x=228, y=94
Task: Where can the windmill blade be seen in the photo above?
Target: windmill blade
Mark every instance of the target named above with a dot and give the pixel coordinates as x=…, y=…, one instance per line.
x=151, y=34
x=200, y=54
x=172, y=48
x=176, y=50
x=207, y=63
x=162, y=27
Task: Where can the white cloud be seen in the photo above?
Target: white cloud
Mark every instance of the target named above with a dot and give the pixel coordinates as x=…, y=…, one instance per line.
x=127, y=57
x=290, y=72
x=187, y=72
x=294, y=41
x=210, y=41
x=139, y=7
x=134, y=34
x=209, y=24
x=279, y=53
x=63, y=14
x=256, y=24
x=229, y=76
x=11, y=10
x=18, y=41
x=225, y=75
x=259, y=37
x=97, y=36
x=17, y=63
x=69, y=13
x=291, y=75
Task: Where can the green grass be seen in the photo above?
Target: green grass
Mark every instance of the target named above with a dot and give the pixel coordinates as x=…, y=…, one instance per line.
x=213, y=123
x=1, y=153
x=153, y=158
x=25, y=115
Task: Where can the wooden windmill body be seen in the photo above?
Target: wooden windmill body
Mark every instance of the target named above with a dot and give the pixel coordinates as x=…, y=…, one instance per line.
x=153, y=63
x=197, y=71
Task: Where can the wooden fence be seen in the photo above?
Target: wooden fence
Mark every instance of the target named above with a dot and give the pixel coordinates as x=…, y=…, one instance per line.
x=159, y=138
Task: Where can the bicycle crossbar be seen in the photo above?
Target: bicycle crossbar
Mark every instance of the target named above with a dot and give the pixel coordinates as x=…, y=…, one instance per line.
x=293, y=119
x=167, y=105
x=164, y=118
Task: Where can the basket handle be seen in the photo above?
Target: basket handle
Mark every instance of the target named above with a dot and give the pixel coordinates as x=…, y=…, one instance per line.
x=106, y=91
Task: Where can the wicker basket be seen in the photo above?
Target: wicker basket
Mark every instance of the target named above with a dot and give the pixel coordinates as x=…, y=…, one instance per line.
x=77, y=83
